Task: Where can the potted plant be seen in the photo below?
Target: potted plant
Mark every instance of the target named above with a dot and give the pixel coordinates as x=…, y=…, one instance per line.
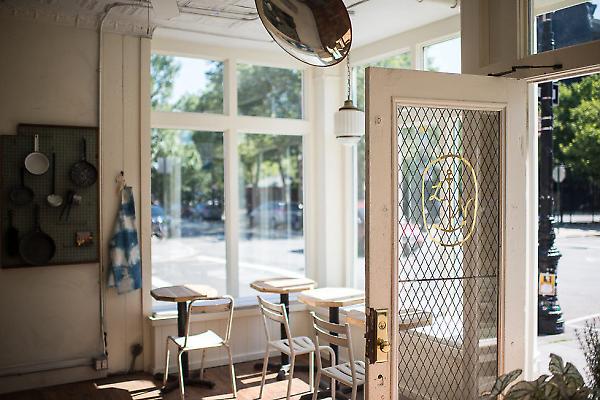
x=564, y=383
x=589, y=340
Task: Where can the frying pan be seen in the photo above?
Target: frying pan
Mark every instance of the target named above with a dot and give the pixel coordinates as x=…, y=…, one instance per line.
x=21, y=195
x=83, y=173
x=37, y=248
x=12, y=237
x=37, y=163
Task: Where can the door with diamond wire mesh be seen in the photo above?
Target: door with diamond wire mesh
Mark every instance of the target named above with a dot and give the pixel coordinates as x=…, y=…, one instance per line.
x=435, y=222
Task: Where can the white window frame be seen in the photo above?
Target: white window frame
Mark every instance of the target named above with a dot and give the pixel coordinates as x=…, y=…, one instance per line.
x=420, y=56
x=233, y=125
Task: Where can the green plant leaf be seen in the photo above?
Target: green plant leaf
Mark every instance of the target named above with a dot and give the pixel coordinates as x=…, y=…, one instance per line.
x=556, y=365
x=529, y=390
x=573, y=377
x=502, y=383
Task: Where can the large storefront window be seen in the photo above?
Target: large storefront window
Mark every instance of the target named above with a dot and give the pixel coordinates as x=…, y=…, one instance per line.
x=193, y=240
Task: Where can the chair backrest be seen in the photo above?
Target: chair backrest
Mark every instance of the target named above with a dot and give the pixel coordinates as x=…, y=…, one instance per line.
x=208, y=306
x=342, y=337
x=274, y=312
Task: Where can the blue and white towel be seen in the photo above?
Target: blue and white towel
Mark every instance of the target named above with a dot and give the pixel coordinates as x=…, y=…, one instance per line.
x=125, y=267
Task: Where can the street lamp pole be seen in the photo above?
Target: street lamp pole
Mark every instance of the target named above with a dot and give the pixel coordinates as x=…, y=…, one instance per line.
x=550, y=318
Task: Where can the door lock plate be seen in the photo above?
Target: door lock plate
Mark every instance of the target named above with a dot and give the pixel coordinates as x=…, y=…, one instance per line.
x=378, y=342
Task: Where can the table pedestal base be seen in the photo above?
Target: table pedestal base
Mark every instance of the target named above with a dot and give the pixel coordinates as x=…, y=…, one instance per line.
x=282, y=370
x=173, y=382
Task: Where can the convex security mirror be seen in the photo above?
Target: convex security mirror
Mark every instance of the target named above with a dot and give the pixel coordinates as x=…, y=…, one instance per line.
x=316, y=32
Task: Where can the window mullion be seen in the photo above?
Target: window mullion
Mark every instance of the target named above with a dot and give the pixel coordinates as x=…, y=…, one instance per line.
x=231, y=212
x=231, y=180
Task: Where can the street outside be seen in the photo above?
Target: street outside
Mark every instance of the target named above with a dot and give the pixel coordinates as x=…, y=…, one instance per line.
x=198, y=257
x=201, y=260
x=578, y=292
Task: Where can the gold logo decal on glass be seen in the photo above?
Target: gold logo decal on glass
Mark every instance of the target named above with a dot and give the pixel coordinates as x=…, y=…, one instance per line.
x=449, y=214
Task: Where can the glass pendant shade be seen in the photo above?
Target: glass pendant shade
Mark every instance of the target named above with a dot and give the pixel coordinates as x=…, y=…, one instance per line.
x=349, y=123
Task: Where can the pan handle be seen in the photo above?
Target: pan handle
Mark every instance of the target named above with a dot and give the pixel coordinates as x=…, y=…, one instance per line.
x=84, y=148
x=36, y=143
x=36, y=217
x=53, y=173
x=22, y=176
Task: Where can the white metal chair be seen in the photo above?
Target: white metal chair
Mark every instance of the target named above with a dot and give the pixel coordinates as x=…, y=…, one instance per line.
x=299, y=345
x=351, y=373
x=202, y=341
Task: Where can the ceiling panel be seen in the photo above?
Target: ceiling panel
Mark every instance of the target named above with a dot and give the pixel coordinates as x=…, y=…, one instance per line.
x=234, y=22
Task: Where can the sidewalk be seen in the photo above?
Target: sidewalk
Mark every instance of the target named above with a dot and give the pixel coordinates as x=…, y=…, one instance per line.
x=577, y=230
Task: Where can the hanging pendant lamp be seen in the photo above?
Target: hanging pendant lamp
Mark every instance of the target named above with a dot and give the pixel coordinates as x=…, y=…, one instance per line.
x=349, y=122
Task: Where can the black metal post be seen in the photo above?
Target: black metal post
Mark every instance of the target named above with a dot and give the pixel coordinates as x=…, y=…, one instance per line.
x=181, y=321
x=550, y=318
x=284, y=298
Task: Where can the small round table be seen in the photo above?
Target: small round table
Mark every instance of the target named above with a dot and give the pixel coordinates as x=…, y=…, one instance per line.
x=181, y=295
x=282, y=286
x=332, y=298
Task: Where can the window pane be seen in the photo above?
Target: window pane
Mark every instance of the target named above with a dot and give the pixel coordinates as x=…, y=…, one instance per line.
x=398, y=61
x=188, y=233
x=569, y=23
x=269, y=92
x=443, y=56
x=271, y=208
x=186, y=84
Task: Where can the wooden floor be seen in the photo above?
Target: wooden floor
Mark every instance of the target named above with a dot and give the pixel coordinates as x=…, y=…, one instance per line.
x=144, y=387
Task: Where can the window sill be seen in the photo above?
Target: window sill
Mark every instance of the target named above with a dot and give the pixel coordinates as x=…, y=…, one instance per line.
x=247, y=307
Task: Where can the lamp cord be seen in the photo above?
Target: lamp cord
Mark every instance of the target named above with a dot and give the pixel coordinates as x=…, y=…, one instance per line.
x=348, y=69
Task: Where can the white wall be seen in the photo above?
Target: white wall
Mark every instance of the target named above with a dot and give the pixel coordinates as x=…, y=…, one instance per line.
x=51, y=314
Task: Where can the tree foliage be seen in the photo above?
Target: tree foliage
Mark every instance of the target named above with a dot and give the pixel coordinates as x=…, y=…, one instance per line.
x=262, y=91
x=577, y=127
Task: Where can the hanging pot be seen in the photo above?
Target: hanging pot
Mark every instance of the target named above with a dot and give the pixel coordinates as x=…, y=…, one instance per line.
x=37, y=163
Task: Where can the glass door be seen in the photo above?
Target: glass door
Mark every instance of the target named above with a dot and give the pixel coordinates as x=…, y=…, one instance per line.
x=437, y=187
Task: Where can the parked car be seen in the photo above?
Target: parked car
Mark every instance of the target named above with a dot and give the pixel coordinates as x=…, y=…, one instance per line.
x=276, y=214
x=159, y=221
x=212, y=210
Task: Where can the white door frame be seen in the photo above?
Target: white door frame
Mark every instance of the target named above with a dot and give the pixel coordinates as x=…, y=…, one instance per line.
x=385, y=87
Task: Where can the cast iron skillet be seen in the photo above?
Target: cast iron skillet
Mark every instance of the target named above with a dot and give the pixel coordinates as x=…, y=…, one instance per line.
x=21, y=195
x=83, y=174
x=36, y=247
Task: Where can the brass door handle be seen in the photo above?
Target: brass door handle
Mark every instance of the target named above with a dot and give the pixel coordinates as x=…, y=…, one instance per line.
x=384, y=345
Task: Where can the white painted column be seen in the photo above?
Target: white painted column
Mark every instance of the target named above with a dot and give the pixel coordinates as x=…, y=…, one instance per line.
x=328, y=195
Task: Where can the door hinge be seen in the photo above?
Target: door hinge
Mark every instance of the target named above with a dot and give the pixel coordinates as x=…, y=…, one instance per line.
x=377, y=337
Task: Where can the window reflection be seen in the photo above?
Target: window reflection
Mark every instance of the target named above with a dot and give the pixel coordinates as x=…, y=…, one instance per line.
x=269, y=92
x=186, y=84
x=576, y=24
x=187, y=189
x=443, y=56
x=271, y=208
